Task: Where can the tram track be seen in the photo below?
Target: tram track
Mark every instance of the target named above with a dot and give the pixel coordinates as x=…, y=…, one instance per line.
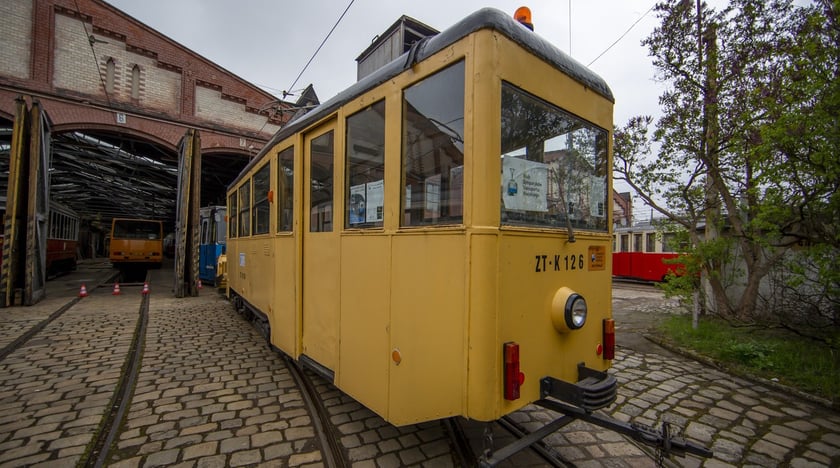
x=97, y=455
x=103, y=433
x=37, y=328
x=464, y=449
x=333, y=454
x=634, y=285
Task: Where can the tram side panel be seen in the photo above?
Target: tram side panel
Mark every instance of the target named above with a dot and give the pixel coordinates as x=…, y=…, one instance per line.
x=428, y=320
x=365, y=319
x=284, y=313
x=483, y=388
x=262, y=283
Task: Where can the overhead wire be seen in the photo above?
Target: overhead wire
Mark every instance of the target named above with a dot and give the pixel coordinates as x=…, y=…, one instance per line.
x=285, y=92
x=622, y=36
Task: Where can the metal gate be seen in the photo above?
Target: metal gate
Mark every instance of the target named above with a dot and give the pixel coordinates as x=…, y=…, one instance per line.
x=187, y=215
x=23, y=271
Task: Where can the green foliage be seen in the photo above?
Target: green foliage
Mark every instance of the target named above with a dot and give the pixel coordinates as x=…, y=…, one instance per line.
x=750, y=354
x=809, y=365
x=748, y=137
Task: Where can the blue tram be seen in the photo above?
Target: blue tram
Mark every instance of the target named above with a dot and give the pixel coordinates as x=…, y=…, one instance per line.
x=213, y=231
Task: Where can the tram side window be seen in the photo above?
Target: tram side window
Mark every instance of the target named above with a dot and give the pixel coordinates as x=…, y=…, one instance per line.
x=669, y=242
x=204, y=231
x=262, y=184
x=365, y=155
x=637, y=243
x=245, y=209
x=554, y=165
x=321, y=183
x=285, y=189
x=650, y=242
x=433, y=149
x=234, y=210
x=218, y=226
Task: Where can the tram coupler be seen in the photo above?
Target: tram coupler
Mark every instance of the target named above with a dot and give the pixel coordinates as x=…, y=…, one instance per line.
x=593, y=390
x=661, y=439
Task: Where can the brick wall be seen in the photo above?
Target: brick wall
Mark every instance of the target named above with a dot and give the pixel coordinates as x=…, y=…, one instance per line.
x=75, y=65
x=45, y=48
x=210, y=105
x=15, y=38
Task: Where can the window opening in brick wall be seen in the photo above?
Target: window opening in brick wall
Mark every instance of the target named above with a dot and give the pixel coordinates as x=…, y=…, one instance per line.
x=135, y=82
x=110, y=71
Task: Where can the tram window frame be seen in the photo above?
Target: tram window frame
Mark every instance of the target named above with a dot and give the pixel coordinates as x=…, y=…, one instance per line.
x=436, y=197
x=286, y=189
x=204, y=231
x=637, y=242
x=233, y=228
x=244, y=194
x=650, y=242
x=669, y=242
x=322, y=162
x=560, y=161
x=364, y=158
x=261, y=210
x=220, y=230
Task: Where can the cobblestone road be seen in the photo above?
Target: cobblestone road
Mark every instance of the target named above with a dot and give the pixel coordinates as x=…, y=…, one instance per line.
x=211, y=393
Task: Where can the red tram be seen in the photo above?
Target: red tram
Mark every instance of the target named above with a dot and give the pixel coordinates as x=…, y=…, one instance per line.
x=645, y=253
x=62, y=239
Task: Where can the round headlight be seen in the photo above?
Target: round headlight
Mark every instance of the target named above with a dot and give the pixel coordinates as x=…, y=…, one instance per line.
x=575, y=311
x=568, y=310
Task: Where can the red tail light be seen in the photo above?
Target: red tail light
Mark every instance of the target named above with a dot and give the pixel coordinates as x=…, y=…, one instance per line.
x=513, y=378
x=609, y=339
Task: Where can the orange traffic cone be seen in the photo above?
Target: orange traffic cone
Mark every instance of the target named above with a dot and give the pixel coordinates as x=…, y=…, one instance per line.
x=83, y=291
x=145, y=288
x=199, y=284
x=116, y=289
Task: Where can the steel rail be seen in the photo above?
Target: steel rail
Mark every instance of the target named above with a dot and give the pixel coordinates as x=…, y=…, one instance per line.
x=26, y=336
x=97, y=455
x=334, y=456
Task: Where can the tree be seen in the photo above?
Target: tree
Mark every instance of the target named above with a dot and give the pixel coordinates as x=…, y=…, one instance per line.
x=747, y=143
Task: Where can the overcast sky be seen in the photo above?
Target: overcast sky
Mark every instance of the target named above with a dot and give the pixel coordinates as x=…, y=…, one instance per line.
x=268, y=42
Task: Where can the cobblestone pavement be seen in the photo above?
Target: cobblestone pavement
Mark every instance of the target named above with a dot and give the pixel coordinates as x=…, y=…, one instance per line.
x=211, y=393
x=55, y=389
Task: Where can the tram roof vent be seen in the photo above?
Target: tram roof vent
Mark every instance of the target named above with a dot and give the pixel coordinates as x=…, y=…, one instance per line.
x=395, y=41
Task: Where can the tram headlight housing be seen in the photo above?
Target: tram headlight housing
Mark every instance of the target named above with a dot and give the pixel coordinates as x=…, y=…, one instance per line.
x=568, y=310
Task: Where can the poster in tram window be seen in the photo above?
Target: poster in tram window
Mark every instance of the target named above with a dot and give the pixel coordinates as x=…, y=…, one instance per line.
x=374, y=208
x=524, y=185
x=358, y=200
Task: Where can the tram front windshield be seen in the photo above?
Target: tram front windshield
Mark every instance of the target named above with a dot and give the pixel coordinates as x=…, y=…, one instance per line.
x=136, y=229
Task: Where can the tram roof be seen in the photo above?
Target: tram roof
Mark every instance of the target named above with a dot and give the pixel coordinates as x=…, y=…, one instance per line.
x=486, y=18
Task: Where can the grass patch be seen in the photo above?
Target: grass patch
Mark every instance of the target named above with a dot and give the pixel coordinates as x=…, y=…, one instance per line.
x=805, y=364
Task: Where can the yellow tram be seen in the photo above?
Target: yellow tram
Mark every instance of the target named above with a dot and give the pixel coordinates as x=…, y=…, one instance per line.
x=435, y=238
